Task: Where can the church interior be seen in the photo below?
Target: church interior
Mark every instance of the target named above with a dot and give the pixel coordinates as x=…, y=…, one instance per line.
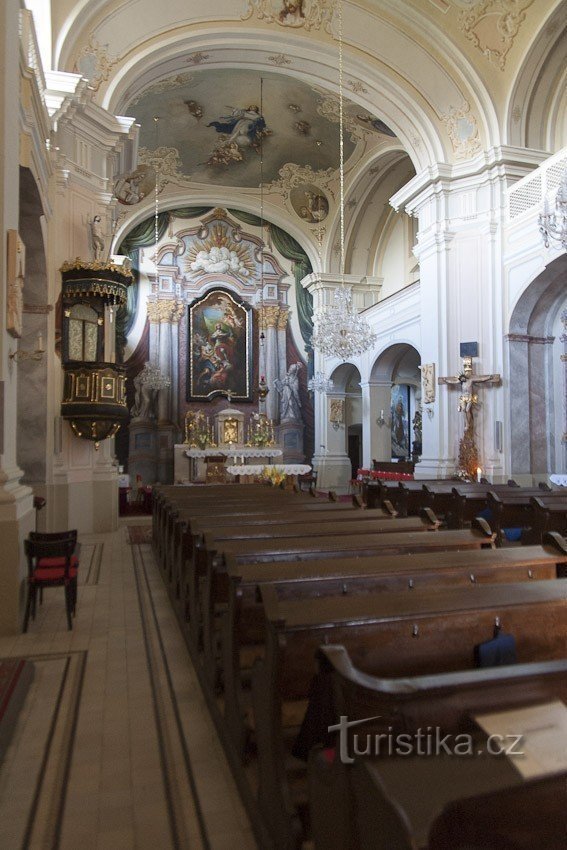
x=283, y=424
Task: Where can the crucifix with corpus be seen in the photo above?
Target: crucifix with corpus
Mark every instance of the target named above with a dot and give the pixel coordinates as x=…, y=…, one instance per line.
x=468, y=399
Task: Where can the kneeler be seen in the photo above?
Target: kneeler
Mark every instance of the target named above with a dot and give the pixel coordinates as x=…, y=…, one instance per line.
x=496, y=652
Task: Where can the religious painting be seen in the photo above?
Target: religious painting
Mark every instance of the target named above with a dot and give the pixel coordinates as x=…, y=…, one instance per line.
x=309, y=203
x=245, y=128
x=130, y=189
x=428, y=382
x=337, y=411
x=400, y=417
x=220, y=349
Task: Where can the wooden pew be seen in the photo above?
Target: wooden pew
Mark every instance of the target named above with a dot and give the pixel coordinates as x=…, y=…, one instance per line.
x=399, y=634
x=516, y=510
x=447, y=498
x=187, y=571
x=549, y=515
x=243, y=626
x=444, y=803
x=214, y=542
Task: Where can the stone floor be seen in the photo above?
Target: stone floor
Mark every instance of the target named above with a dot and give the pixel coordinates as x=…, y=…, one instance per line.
x=114, y=747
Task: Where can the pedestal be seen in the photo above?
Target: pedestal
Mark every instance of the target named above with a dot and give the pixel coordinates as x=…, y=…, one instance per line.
x=142, y=458
x=290, y=438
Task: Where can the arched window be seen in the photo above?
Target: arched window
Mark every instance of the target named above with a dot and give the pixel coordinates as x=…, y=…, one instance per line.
x=83, y=333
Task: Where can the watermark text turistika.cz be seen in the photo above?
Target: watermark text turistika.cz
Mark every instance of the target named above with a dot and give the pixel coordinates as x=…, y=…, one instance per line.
x=426, y=741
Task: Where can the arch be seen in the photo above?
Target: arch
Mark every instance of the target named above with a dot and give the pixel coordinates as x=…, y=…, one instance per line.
x=394, y=361
x=344, y=377
x=32, y=374
x=531, y=363
x=535, y=111
x=414, y=97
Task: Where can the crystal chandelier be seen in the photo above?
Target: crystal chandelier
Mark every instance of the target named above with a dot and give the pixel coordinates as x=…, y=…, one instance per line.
x=153, y=378
x=553, y=222
x=319, y=383
x=338, y=329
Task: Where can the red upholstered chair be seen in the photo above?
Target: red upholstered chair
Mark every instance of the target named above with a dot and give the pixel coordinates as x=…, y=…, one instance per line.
x=51, y=563
x=51, y=536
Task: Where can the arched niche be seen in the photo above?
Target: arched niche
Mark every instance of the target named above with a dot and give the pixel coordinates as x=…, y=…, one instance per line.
x=32, y=373
x=535, y=369
x=347, y=390
x=394, y=397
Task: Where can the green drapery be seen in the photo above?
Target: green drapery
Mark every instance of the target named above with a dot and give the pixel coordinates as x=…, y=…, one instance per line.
x=291, y=250
x=142, y=236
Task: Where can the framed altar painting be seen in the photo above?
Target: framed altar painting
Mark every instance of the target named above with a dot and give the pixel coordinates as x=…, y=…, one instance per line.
x=220, y=347
x=400, y=418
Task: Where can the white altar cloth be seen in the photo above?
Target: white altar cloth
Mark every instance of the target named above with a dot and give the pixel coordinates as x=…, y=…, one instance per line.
x=561, y=480
x=253, y=469
x=237, y=451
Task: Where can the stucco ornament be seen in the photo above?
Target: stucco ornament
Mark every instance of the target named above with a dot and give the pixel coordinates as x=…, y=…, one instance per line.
x=95, y=63
x=492, y=25
x=291, y=175
x=463, y=130
x=308, y=14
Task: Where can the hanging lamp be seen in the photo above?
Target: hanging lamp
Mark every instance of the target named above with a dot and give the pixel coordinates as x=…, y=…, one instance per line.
x=338, y=329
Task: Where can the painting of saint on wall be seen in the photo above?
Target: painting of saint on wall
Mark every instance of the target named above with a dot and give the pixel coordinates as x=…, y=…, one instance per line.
x=220, y=359
x=400, y=421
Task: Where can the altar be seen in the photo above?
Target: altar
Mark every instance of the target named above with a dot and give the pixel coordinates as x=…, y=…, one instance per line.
x=190, y=464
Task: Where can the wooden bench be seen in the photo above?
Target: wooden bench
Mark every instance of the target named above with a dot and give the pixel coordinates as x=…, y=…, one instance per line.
x=439, y=803
x=549, y=515
x=516, y=510
x=398, y=634
x=243, y=626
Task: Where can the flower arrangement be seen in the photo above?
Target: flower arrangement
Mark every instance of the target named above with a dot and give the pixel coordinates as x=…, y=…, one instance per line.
x=275, y=475
x=198, y=430
x=260, y=431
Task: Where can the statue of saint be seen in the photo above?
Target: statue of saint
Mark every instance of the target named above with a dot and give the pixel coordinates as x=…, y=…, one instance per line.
x=288, y=389
x=144, y=399
x=97, y=238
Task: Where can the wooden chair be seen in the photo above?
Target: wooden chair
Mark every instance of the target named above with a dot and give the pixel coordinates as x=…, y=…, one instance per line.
x=51, y=563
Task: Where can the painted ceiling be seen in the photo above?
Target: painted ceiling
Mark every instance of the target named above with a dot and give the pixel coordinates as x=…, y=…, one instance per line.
x=216, y=124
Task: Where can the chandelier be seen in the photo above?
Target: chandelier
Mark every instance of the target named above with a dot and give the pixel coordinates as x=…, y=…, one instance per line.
x=338, y=329
x=153, y=378
x=319, y=383
x=553, y=222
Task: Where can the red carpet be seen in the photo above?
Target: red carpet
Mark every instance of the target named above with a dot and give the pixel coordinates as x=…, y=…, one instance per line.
x=139, y=534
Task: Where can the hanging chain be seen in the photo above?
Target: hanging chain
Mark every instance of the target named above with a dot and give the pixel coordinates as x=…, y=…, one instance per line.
x=262, y=217
x=156, y=200
x=341, y=142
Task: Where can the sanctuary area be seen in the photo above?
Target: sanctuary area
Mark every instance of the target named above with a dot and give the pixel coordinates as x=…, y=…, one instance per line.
x=283, y=424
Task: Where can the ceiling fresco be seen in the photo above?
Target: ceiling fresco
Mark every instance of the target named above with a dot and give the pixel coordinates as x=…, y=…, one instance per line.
x=214, y=124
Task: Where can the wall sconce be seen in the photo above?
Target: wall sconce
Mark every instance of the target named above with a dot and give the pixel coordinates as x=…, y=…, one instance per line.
x=381, y=421
x=430, y=412
x=21, y=354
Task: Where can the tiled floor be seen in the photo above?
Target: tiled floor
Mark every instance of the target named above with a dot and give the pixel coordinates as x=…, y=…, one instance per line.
x=134, y=760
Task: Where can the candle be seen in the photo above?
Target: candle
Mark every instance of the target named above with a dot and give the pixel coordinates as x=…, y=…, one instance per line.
x=381, y=414
x=39, y=342
x=478, y=474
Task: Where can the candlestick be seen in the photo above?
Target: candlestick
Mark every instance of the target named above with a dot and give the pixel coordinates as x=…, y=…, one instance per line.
x=478, y=474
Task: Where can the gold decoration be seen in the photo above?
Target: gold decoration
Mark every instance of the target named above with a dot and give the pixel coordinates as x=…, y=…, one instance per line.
x=96, y=265
x=468, y=455
x=269, y=317
x=337, y=410
x=166, y=310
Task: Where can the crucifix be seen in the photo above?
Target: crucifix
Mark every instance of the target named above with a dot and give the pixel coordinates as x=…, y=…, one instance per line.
x=468, y=399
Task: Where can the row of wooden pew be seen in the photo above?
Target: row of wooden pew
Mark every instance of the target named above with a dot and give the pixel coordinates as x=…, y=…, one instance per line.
x=536, y=510
x=299, y=611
